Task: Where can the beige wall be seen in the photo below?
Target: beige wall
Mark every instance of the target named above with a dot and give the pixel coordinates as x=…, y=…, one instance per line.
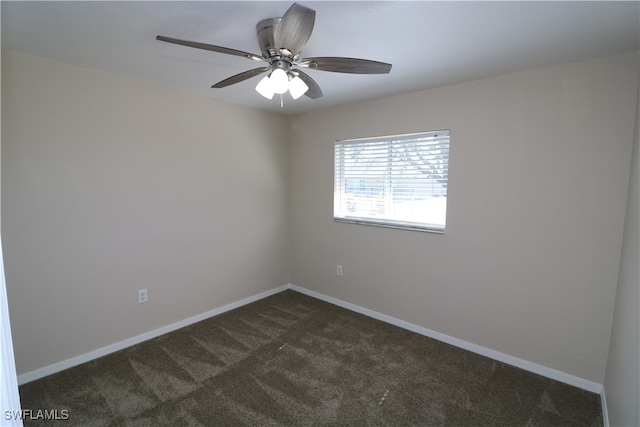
x=538, y=179
x=622, y=381
x=110, y=185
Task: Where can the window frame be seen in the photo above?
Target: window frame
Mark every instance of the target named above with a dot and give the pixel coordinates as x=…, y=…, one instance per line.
x=422, y=226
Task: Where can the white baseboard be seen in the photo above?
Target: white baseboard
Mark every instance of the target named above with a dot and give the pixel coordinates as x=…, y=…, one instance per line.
x=103, y=351
x=605, y=412
x=493, y=354
x=496, y=355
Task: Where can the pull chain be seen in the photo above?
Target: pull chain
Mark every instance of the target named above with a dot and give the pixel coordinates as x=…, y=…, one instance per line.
x=281, y=101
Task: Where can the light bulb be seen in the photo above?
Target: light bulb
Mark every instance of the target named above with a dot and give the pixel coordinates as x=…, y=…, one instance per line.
x=265, y=88
x=279, y=81
x=297, y=87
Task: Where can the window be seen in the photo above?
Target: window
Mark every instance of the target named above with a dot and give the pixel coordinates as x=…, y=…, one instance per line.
x=394, y=181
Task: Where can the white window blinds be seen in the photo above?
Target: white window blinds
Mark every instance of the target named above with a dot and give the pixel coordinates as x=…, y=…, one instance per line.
x=396, y=181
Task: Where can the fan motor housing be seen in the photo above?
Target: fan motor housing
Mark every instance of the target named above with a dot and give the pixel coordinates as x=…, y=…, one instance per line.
x=266, y=29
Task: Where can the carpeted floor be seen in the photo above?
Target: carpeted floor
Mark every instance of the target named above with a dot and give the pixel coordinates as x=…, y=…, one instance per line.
x=289, y=360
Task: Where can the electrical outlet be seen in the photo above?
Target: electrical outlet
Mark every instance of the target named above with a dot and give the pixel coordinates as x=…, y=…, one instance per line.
x=143, y=296
x=339, y=270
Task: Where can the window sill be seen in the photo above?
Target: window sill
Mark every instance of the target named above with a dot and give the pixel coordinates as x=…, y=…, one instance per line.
x=384, y=224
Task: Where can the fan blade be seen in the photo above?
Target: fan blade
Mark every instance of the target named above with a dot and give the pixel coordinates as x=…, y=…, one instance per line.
x=314, y=91
x=210, y=47
x=295, y=28
x=240, y=77
x=346, y=65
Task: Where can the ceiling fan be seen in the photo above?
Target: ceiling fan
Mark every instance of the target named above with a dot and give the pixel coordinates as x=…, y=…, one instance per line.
x=281, y=40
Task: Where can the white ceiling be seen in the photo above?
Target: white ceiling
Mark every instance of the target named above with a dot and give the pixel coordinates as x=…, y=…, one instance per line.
x=429, y=43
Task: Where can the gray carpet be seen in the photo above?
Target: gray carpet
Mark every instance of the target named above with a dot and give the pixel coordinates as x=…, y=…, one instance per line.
x=289, y=360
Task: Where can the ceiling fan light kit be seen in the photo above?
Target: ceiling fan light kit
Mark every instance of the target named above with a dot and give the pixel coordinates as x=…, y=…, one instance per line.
x=279, y=82
x=265, y=88
x=297, y=87
x=281, y=40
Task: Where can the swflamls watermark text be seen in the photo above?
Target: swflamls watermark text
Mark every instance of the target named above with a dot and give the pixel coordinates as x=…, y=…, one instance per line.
x=36, y=414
